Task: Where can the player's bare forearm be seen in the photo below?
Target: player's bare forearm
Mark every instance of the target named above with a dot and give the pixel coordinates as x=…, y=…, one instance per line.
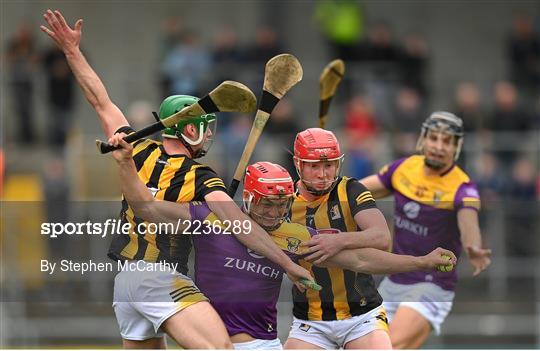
x=258, y=240
x=375, y=186
x=373, y=261
x=110, y=116
x=469, y=228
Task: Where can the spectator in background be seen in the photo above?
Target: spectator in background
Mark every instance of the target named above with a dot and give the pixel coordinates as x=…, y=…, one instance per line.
x=414, y=58
x=380, y=56
x=226, y=55
x=380, y=45
x=508, y=116
x=2, y=171
x=361, y=131
x=266, y=46
x=21, y=58
x=490, y=182
x=171, y=34
x=227, y=59
x=521, y=210
x=282, y=128
x=341, y=22
x=467, y=100
x=524, y=54
x=186, y=66
x=61, y=95
x=409, y=113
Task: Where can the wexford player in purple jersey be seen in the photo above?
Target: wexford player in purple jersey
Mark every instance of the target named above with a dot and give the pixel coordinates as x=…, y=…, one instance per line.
x=242, y=285
x=436, y=204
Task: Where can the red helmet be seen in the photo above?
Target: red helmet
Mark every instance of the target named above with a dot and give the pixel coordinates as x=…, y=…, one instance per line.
x=266, y=180
x=317, y=145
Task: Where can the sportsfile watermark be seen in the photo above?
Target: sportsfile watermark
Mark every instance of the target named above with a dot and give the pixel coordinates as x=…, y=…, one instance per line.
x=118, y=227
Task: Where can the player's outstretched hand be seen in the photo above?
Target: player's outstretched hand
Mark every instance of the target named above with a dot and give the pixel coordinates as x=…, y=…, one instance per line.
x=124, y=154
x=479, y=258
x=64, y=36
x=438, y=257
x=295, y=273
x=321, y=247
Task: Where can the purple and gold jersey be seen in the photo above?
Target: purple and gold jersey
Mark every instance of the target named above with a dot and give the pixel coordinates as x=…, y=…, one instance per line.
x=242, y=285
x=426, y=213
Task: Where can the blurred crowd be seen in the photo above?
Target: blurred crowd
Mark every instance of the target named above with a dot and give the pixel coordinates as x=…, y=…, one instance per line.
x=385, y=95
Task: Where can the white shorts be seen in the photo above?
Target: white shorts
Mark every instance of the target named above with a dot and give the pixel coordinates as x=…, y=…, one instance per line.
x=144, y=299
x=430, y=300
x=259, y=344
x=336, y=334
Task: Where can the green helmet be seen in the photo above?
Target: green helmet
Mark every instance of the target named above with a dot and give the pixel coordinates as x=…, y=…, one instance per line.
x=175, y=103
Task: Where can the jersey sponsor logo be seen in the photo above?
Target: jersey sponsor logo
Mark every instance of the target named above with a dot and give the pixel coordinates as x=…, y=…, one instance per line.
x=293, y=244
x=415, y=228
x=411, y=209
x=334, y=212
x=270, y=327
x=254, y=254
x=243, y=265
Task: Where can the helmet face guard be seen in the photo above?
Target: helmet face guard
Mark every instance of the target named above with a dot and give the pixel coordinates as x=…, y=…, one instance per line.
x=268, y=194
x=441, y=122
x=315, y=145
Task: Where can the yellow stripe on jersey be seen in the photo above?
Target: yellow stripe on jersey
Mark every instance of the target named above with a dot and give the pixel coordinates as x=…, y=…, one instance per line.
x=344, y=199
x=131, y=248
x=188, y=190
x=471, y=202
x=165, y=180
x=146, y=170
x=336, y=274
x=213, y=182
x=298, y=215
x=365, y=196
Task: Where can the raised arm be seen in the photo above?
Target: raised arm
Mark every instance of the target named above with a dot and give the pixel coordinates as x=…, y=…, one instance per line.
x=68, y=40
x=373, y=261
x=138, y=196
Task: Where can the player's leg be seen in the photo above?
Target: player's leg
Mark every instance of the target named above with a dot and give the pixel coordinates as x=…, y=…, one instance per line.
x=198, y=326
x=367, y=331
x=153, y=343
x=295, y=344
x=375, y=340
x=310, y=335
x=409, y=329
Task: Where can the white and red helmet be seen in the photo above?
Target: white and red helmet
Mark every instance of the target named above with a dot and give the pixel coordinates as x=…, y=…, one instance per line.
x=267, y=180
x=317, y=145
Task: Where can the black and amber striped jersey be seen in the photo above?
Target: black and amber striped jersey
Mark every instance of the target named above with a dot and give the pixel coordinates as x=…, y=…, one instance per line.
x=175, y=178
x=344, y=293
